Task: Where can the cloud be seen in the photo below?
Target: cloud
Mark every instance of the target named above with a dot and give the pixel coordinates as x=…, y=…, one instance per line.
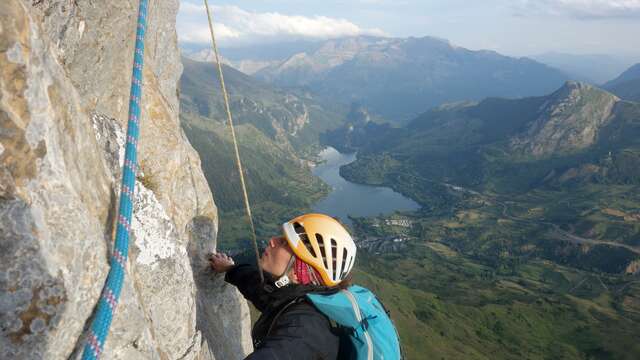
x=234, y=25
x=580, y=9
x=198, y=33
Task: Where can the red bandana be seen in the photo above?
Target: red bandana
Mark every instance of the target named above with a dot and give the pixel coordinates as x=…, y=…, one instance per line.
x=306, y=274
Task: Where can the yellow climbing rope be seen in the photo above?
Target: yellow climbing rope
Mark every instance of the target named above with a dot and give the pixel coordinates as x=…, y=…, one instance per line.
x=233, y=137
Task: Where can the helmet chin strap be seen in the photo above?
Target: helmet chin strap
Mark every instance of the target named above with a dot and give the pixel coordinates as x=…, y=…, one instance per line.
x=284, y=280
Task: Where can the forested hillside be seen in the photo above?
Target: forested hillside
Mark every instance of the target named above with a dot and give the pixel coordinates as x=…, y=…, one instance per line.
x=278, y=137
x=528, y=242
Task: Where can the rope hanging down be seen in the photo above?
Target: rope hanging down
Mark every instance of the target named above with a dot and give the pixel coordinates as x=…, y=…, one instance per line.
x=111, y=291
x=233, y=137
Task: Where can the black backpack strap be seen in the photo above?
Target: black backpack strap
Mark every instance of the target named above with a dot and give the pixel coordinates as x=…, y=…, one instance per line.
x=282, y=310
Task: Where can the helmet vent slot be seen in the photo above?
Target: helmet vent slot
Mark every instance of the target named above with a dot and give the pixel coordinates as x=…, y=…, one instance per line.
x=344, y=263
x=334, y=258
x=350, y=264
x=307, y=243
x=305, y=239
x=298, y=228
x=322, y=250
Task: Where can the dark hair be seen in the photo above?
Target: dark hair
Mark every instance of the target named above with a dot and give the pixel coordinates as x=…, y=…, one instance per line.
x=345, y=283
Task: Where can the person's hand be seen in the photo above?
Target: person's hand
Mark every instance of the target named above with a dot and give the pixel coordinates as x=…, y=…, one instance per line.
x=221, y=262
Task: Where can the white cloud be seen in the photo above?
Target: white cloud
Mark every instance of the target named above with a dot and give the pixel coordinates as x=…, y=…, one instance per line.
x=581, y=9
x=199, y=33
x=234, y=25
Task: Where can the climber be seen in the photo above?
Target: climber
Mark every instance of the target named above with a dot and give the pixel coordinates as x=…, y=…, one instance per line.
x=314, y=255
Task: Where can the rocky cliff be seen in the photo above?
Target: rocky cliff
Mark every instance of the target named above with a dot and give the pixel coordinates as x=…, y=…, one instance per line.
x=569, y=120
x=64, y=88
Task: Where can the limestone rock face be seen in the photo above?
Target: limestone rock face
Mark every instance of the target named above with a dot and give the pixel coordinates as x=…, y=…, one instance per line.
x=65, y=69
x=568, y=121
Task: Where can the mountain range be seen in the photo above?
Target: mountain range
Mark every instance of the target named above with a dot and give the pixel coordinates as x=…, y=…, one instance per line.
x=251, y=59
x=529, y=214
x=509, y=144
x=627, y=85
x=529, y=221
x=290, y=119
x=397, y=78
x=278, y=133
x=592, y=68
x=579, y=143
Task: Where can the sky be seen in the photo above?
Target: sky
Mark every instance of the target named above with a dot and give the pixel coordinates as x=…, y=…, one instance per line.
x=511, y=27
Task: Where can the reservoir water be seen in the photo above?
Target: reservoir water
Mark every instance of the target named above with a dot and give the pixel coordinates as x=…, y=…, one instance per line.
x=347, y=198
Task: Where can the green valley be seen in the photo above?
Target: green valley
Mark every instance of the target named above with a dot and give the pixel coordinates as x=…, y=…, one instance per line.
x=448, y=306
x=277, y=134
x=528, y=242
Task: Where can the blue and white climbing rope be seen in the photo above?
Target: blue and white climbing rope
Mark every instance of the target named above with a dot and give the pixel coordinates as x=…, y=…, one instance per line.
x=111, y=292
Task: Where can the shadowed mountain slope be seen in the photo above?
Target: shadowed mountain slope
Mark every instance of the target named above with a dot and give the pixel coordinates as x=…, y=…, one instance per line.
x=627, y=85
x=400, y=78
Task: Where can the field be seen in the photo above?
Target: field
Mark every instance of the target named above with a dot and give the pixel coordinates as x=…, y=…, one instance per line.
x=448, y=306
x=541, y=275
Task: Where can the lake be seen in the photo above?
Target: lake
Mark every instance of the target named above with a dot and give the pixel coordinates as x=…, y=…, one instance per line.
x=347, y=198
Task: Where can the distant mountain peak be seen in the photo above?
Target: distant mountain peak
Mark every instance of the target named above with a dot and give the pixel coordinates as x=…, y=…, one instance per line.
x=568, y=121
x=573, y=91
x=397, y=78
x=593, y=68
x=631, y=74
x=247, y=66
x=574, y=85
x=434, y=39
x=627, y=85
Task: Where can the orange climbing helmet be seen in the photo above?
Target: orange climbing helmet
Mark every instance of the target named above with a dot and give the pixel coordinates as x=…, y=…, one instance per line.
x=322, y=242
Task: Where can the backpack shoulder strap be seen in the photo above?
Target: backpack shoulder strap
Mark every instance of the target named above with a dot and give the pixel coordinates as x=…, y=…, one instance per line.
x=282, y=310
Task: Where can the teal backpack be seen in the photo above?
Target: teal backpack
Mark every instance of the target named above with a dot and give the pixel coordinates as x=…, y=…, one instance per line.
x=370, y=332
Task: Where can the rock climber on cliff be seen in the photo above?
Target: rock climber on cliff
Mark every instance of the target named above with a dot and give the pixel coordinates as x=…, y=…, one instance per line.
x=315, y=254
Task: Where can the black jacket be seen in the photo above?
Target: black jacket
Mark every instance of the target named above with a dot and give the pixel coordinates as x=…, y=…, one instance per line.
x=299, y=331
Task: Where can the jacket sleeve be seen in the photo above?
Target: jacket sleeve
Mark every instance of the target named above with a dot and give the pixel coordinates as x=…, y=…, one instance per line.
x=247, y=279
x=299, y=334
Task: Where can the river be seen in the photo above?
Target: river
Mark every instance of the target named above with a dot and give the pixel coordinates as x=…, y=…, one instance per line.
x=347, y=198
